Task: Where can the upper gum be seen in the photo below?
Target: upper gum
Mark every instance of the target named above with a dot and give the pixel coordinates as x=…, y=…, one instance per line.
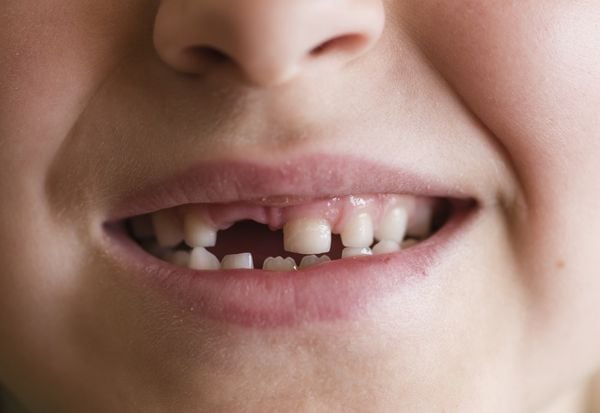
x=336, y=210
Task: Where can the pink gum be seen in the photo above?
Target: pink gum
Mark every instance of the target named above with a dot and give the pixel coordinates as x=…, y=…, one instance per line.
x=336, y=210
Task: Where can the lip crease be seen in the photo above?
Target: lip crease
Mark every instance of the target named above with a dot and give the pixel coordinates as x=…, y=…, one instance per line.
x=339, y=290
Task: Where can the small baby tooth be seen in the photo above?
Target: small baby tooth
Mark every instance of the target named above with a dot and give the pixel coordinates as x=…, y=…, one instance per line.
x=307, y=236
x=238, y=261
x=201, y=259
x=385, y=247
x=356, y=252
x=167, y=228
x=141, y=227
x=419, y=224
x=198, y=232
x=279, y=264
x=310, y=260
x=358, y=231
x=393, y=225
x=180, y=258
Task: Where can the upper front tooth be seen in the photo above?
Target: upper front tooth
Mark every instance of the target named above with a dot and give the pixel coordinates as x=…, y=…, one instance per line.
x=201, y=259
x=198, y=232
x=358, y=231
x=167, y=228
x=238, y=261
x=393, y=225
x=310, y=260
x=307, y=236
x=279, y=264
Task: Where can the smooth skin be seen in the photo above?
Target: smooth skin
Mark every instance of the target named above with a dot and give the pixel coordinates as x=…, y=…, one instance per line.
x=98, y=97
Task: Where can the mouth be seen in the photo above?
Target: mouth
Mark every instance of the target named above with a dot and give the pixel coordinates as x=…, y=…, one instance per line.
x=259, y=246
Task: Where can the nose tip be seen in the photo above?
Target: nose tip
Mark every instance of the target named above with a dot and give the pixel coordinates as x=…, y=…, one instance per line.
x=265, y=42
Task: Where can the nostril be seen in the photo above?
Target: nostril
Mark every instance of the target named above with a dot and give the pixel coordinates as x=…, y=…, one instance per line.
x=205, y=54
x=348, y=43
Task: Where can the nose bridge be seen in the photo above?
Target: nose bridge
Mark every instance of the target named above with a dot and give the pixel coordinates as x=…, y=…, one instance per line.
x=268, y=41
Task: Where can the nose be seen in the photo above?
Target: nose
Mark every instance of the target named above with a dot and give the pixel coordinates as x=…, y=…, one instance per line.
x=265, y=42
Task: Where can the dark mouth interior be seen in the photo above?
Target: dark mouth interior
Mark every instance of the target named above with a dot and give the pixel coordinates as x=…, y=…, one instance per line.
x=250, y=236
x=262, y=242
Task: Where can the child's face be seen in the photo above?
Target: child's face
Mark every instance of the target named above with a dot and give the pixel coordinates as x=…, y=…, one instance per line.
x=496, y=102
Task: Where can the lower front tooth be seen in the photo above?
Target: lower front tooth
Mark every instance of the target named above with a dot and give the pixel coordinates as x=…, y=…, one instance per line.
x=238, y=261
x=310, y=260
x=201, y=259
x=279, y=264
x=385, y=247
x=356, y=252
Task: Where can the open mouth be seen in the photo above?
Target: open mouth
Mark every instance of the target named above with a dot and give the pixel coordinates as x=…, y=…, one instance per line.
x=223, y=240
x=283, y=234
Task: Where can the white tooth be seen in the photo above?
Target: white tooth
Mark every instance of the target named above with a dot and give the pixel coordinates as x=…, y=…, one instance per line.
x=201, y=259
x=167, y=228
x=358, y=231
x=307, y=236
x=141, y=227
x=238, y=261
x=180, y=258
x=419, y=224
x=310, y=260
x=385, y=247
x=356, y=252
x=393, y=225
x=271, y=263
x=279, y=264
x=198, y=232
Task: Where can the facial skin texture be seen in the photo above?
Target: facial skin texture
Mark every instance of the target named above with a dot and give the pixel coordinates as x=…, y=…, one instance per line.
x=501, y=95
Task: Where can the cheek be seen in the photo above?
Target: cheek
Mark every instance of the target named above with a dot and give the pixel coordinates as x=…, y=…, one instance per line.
x=55, y=54
x=528, y=73
x=527, y=70
x=58, y=55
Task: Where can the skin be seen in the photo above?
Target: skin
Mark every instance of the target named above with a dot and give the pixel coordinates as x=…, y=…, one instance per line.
x=500, y=96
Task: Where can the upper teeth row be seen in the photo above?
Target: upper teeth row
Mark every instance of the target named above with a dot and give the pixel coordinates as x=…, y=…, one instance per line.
x=301, y=235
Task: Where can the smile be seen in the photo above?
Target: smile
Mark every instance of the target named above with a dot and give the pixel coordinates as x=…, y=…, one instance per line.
x=260, y=246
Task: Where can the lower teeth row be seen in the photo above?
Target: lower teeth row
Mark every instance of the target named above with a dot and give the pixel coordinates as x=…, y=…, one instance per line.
x=200, y=258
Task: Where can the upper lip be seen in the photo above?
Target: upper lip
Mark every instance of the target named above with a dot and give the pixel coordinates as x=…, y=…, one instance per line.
x=296, y=180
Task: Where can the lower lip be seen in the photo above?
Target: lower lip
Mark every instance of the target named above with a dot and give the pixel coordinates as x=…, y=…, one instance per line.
x=338, y=290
